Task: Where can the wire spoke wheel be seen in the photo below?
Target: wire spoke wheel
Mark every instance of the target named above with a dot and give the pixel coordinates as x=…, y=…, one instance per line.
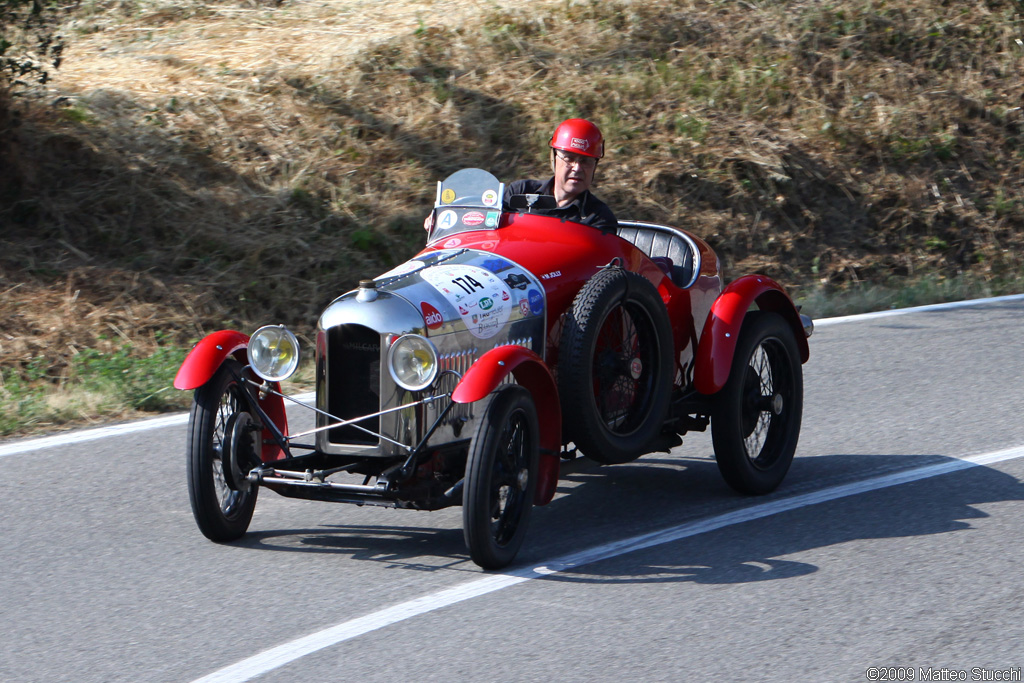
x=501, y=473
x=756, y=422
x=764, y=403
x=622, y=388
x=508, y=490
x=230, y=405
x=221, y=510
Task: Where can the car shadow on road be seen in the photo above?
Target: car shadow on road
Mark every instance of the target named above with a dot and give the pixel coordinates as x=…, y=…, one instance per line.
x=598, y=504
x=416, y=548
x=659, y=493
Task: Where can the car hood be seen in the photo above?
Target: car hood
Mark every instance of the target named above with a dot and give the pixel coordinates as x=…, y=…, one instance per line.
x=488, y=297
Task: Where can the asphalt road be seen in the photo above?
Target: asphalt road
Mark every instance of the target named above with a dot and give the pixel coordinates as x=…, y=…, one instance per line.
x=104, y=576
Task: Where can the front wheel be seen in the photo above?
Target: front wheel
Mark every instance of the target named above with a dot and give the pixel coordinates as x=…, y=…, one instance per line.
x=756, y=420
x=221, y=509
x=501, y=476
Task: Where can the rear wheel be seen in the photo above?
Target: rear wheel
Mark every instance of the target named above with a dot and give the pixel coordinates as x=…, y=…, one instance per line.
x=219, y=417
x=501, y=476
x=757, y=414
x=615, y=367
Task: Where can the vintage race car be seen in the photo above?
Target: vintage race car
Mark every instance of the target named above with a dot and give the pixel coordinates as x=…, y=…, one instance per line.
x=514, y=339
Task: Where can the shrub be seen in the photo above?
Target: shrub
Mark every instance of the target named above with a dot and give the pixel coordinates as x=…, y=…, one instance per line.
x=29, y=42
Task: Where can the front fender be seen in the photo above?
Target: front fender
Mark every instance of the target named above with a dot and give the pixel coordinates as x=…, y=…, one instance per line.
x=531, y=372
x=722, y=328
x=206, y=356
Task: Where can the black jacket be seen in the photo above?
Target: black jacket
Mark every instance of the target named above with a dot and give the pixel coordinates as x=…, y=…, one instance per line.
x=586, y=208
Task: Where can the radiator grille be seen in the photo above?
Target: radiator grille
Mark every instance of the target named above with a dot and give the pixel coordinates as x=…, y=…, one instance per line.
x=457, y=362
x=353, y=384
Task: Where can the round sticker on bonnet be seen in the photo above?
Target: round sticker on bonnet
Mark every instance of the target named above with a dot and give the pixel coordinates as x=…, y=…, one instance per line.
x=481, y=297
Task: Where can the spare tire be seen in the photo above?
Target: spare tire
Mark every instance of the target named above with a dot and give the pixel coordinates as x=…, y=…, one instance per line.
x=615, y=367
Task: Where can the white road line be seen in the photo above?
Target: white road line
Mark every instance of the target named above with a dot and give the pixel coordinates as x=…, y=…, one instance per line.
x=281, y=655
x=91, y=434
x=826, y=322
x=85, y=435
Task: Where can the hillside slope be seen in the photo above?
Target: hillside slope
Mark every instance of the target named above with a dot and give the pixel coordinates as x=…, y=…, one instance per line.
x=240, y=162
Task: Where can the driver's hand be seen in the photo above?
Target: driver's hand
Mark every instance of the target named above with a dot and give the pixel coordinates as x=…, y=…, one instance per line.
x=428, y=222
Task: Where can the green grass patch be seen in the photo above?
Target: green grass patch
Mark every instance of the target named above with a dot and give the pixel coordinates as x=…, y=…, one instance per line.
x=866, y=297
x=96, y=386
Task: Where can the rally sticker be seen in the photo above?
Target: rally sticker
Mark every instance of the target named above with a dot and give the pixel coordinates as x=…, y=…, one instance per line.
x=452, y=243
x=496, y=265
x=431, y=315
x=448, y=196
x=492, y=219
x=473, y=218
x=447, y=219
x=517, y=281
x=490, y=198
x=536, y=301
x=480, y=296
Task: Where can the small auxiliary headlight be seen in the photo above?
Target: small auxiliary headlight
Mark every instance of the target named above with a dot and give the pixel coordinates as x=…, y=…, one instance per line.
x=412, y=361
x=274, y=353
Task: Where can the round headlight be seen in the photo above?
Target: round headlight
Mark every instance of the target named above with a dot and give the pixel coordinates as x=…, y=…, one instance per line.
x=274, y=353
x=412, y=360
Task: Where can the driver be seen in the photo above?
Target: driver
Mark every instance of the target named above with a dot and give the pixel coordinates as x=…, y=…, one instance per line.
x=576, y=147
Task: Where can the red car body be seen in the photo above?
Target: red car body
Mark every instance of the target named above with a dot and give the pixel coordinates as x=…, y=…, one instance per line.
x=733, y=361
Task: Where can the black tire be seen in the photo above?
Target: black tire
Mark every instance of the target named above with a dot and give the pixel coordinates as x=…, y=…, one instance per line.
x=756, y=420
x=221, y=512
x=615, y=368
x=501, y=478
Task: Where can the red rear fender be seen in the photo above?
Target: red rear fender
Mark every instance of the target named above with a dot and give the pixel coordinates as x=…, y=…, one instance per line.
x=718, y=338
x=531, y=372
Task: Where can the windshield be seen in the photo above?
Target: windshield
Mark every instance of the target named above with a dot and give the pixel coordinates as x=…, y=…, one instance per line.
x=469, y=199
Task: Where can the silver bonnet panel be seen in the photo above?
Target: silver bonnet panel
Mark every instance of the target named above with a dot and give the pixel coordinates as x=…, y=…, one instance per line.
x=465, y=301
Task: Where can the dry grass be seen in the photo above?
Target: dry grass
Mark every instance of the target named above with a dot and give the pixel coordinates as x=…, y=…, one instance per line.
x=228, y=163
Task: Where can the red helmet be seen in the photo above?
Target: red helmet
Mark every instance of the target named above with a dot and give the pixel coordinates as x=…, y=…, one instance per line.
x=579, y=136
